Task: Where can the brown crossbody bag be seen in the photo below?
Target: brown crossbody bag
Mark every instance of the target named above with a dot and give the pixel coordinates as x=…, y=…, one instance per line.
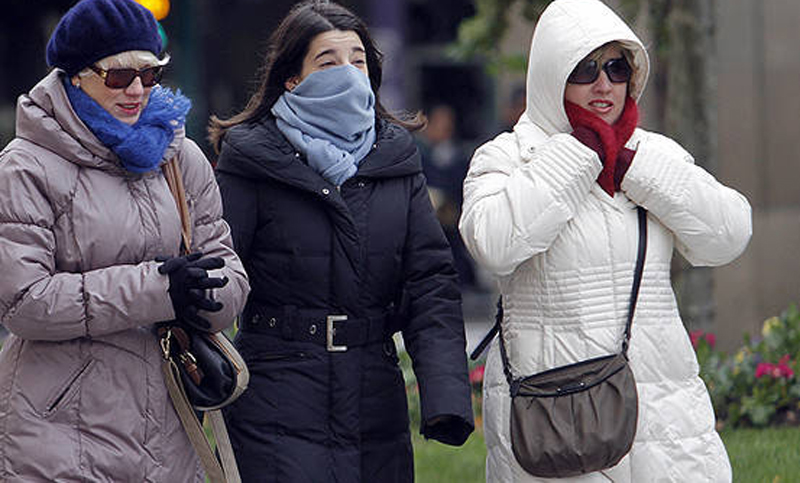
x=203, y=371
x=578, y=418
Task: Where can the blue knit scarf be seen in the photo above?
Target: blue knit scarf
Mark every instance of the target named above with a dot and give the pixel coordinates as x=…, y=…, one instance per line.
x=330, y=118
x=139, y=147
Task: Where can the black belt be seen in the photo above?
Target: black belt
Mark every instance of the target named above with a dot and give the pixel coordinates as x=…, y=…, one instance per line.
x=336, y=332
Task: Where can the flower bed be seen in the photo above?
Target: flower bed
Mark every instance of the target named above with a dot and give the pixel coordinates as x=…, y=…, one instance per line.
x=758, y=385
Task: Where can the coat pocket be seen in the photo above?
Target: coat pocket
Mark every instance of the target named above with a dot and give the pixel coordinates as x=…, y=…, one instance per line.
x=48, y=388
x=64, y=393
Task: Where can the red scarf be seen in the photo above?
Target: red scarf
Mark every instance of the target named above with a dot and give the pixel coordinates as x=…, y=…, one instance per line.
x=613, y=137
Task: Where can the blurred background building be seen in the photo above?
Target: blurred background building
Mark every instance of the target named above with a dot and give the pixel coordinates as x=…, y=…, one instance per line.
x=753, y=70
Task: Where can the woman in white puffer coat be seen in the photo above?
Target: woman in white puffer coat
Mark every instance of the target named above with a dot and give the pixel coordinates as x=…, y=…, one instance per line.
x=550, y=209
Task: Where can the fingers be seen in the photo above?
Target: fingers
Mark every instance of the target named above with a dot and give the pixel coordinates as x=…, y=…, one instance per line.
x=200, y=301
x=175, y=263
x=171, y=264
x=198, y=278
x=195, y=273
x=209, y=263
x=210, y=282
x=193, y=257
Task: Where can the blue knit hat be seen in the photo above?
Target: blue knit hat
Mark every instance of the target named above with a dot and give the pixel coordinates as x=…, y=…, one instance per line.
x=94, y=29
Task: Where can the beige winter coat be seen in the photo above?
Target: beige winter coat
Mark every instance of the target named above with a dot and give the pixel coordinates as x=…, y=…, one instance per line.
x=82, y=397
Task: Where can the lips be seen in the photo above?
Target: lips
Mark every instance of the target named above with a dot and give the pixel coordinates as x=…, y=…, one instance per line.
x=130, y=108
x=601, y=105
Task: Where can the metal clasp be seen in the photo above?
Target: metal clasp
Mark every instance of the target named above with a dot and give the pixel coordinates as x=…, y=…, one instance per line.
x=165, y=343
x=331, y=333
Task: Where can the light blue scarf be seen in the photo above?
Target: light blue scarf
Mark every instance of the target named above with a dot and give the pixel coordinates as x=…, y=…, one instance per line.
x=139, y=147
x=330, y=118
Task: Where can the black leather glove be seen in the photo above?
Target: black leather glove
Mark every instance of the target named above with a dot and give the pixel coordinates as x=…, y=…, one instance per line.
x=448, y=429
x=188, y=282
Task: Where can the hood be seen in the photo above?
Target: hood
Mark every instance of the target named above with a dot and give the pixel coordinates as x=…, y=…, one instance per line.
x=258, y=149
x=567, y=31
x=45, y=117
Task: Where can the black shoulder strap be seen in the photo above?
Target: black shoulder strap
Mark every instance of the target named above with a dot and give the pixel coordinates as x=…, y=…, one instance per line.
x=491, y=333
x=637, y=276
x=637, y=282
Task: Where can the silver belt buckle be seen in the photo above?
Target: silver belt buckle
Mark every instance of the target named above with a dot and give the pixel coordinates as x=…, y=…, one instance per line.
x=331, y=332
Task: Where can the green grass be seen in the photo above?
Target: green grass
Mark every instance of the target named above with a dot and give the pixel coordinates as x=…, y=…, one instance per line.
x=769, y=455
x=438, y=463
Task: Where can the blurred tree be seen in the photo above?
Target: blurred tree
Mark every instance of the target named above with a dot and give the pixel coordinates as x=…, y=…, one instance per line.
x=682, y=87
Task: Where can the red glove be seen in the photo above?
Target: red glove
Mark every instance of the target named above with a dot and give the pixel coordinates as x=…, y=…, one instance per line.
x=591, y=140
x=624, y=160
x=596, y=134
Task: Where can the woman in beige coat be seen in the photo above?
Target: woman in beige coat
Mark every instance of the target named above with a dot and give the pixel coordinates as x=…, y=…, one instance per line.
x=85, y=212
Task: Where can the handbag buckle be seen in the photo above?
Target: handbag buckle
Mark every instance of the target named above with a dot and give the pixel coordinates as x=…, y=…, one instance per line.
x=330, y=333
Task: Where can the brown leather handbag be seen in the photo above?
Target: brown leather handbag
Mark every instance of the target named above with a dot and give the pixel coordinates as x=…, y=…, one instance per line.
x=578, y=418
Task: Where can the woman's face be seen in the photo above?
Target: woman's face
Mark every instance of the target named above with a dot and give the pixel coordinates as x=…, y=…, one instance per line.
x=330, y=49
x=126, y=104
x=602, y=97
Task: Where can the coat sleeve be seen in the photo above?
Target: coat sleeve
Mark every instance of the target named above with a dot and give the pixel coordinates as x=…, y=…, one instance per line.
x=711, y=223
x=212, y=235
x=434, y=331
x=39, y=303
x=512, y=211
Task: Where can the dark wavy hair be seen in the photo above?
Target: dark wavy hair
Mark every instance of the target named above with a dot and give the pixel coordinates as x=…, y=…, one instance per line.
x=288, y=46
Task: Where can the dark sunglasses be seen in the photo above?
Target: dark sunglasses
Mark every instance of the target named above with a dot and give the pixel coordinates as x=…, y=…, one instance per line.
x=587, y=71
x=122, y=78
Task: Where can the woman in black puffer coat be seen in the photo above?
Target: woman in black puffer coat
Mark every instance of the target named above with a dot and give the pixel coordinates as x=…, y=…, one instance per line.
x=330, y=214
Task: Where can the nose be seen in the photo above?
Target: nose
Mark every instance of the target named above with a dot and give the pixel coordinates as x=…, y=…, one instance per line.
x=603, y=83
x=135, y=88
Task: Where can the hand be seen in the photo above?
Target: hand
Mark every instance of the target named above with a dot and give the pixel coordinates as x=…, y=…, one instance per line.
x=591, y=139
x=188, y=283
x=624, y=160
x=448, y=429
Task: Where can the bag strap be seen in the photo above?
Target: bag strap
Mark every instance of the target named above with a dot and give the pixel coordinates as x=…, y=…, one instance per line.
x=637, y=282
x=637, y=276
x=228, y=472
x=172, y=172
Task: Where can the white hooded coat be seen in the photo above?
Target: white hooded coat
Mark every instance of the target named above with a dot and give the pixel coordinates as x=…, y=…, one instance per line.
x=564, y=253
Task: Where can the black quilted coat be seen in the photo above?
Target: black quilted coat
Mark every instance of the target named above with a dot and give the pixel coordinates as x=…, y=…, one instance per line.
x=371, y=251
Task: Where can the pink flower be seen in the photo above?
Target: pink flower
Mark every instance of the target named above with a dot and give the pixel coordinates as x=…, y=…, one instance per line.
x=784, y=368
x=697, y=335
x=764, y=369
x=775, y=371
x=476, y=374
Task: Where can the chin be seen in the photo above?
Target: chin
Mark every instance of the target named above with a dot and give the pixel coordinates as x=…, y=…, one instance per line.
x=129, y=120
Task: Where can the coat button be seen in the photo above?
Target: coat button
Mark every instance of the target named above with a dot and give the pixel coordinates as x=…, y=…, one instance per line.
x=313, y=329
x=361, y=184
x=326, y=191
x=256, y=319
x=272, y=322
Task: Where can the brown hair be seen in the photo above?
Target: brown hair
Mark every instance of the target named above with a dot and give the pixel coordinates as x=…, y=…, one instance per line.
x=286, y=50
